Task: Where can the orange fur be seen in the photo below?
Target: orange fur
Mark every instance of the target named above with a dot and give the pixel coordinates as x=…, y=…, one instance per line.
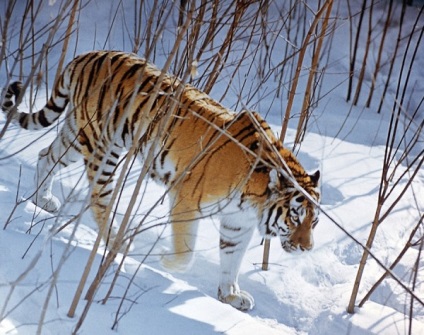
x=213, y=161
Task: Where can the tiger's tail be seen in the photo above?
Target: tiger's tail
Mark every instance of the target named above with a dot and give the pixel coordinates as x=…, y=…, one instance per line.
x=46, y=116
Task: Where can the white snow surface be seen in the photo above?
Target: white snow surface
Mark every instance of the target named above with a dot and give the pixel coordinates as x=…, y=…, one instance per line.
x=300, y=294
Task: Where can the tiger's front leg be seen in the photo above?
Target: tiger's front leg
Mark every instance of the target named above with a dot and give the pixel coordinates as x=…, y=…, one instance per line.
x=185, y=224
x=233, y=243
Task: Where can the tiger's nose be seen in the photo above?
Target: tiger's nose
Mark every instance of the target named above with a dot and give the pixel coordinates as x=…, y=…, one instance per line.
x=304, y=244
x=306, y=247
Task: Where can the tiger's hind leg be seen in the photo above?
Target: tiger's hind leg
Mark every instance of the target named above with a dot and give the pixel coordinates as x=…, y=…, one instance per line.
x=101, y=167
x=63, y=151
x=184, y=221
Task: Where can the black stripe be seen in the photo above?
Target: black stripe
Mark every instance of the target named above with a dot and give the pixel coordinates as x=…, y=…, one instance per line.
x=102, y=94
x=271, y=209
x=149, y=79
x=233, y=123
x=138, y=111
x=99, y=205
x=62, y=163
x=60, y=94
x=114, y=154
x=242, y=130
x=226, y=244
x=188, y=107
x=110, y=163
x=165, y=152
x=83, y=139
x=107, y=173
x=94, y=70
x=80, y=81
x=41, y=118
x=261, y=168
x=65, y=142
x=80, y=59
x=73, y=144
x=125, y=130
x=92, y=166
x=98, y=155
x=116, y=57
x=7, y=104
x=51, y=105
x=231, y=228
x=15, y=88
x=249, y=134
x=279, y=213
x=166, y=177
x=103, y=182
x=145, y=99
x=175, y=120
x=105, y=194
x=23, y=120
x=116, y=114
x=132, y=71
x=117, y=67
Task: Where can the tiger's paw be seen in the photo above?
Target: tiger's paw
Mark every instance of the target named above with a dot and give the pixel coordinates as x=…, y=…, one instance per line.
x=239, y=299
x=124, y=246
x=176, y=263
x=47, y=202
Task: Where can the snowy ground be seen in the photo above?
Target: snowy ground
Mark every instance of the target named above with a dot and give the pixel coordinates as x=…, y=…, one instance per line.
x=305, y=294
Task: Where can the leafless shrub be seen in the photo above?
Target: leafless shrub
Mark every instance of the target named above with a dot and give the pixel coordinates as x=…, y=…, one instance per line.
x=206, y=35
x=404, y=156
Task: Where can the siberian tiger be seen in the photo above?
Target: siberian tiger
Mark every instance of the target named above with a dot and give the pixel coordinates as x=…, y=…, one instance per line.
x=212, y=160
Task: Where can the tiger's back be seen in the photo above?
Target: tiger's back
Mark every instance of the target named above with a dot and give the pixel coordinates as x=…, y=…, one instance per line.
x=213, y=161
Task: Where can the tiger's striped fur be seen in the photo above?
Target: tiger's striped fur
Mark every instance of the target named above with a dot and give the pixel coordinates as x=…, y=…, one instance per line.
x=212, y=160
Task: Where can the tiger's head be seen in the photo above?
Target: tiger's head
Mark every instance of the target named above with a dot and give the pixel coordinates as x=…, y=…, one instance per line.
x=289, y=214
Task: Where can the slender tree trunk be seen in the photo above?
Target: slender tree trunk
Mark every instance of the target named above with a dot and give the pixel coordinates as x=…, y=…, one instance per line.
x=354, y=51
x=380, y=53
x=364, y=60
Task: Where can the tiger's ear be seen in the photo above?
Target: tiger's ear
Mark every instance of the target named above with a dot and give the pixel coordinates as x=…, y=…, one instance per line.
x=277, y=181
x=315, y=178
x=274, y=180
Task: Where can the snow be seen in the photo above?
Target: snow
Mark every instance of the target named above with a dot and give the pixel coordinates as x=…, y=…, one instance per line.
x=300, y=294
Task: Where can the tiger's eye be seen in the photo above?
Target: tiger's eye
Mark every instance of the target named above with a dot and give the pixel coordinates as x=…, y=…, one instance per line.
x=254, y=146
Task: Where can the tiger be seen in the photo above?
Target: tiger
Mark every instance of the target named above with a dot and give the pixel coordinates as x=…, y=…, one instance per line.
x=212, y=160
